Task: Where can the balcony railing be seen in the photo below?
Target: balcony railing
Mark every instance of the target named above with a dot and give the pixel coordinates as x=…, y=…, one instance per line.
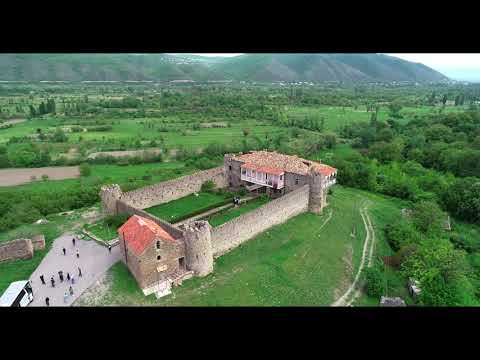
x=266, y=182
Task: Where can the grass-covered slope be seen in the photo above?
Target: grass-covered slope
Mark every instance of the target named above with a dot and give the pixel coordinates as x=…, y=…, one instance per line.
x=309, y=260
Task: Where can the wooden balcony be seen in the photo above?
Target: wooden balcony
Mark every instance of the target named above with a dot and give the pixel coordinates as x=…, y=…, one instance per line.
x=265, y=179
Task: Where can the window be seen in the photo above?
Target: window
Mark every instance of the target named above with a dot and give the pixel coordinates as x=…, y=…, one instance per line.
x=159, y=257
x=281, y=177
x=158, y=245
x=229, y=167
x=244, y=171
x=296, y=181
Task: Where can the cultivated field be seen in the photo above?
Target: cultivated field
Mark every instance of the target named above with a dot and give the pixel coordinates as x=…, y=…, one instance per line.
x=10, y=177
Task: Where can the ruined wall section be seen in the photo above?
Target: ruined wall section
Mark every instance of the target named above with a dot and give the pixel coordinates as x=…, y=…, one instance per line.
x=16, y=249
x=173, y=189
x=228, y=236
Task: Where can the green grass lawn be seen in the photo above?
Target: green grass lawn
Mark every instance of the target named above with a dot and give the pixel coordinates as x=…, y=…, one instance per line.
x=102, y=231
x=229, y=214
x=297, y=263
x=187, y=206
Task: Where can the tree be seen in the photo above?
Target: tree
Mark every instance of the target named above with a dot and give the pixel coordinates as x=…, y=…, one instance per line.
x=428, y=217
x=33, y=112
x=85, y=170
x=59, y=136
x=375, y=281
x=442, y=272
x=395, y=108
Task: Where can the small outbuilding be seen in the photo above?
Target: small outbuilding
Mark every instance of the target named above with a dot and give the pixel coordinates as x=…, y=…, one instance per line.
x=414, y=287
x=391, y=302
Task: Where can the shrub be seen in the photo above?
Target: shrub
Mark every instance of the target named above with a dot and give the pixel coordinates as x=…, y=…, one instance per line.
x=208, y=186
x=85, y=169
x=44, y=177
x=375, y=281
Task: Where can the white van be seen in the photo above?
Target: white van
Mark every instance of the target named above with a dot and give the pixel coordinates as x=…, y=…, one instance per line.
x=19, y=293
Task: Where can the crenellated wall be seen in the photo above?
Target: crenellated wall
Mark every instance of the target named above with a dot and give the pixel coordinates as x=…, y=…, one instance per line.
x=228, y=236
x=173, y=189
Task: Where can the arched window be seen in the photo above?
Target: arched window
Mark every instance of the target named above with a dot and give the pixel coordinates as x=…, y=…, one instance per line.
x=159, y=257
x=158, y=245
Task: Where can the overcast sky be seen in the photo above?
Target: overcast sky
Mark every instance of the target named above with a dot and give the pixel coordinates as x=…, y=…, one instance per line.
x=456, y=66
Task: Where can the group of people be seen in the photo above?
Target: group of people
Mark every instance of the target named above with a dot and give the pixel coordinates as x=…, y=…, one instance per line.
x=236, y=200
x=61, y=277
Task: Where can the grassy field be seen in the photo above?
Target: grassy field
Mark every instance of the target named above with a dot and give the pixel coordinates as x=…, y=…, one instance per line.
x=102, y=231
x=128, y=128
x=305, y=261
x=336, y=117
x=187, y=206
x=229, y=214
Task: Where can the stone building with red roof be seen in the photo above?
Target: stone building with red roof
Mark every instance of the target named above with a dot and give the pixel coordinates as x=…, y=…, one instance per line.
x=277, y=174
x=151, y=252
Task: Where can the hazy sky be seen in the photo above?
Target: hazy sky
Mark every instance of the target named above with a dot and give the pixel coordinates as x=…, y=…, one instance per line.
x=456, y=66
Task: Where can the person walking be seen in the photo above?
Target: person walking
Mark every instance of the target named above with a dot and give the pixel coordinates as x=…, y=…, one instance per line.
x=73, y=241
x=73, y=280
x=110, y=248
x=64, y=251
x=47, y=301
x=71, y=291
x=68, y=276
x=60, y=275
x=42, y=279
x=52, y=281
x=79, y=272
x=78, y=254
x=65, y=297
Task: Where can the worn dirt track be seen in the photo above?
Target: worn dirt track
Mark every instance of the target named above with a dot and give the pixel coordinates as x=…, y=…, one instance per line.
x=353, y=291
x=11, y=177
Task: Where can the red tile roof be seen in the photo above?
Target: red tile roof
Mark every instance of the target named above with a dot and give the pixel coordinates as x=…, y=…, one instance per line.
x=140, y=232
x=286, y=163
x=266, y=169
x=325, y=169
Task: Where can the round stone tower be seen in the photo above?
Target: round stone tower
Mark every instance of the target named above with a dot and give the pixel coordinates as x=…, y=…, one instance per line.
x=109, y=194
x=316, y=201
x=198, y=247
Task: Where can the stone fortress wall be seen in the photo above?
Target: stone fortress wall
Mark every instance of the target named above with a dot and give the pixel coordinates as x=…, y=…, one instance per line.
x=231, y=234
x=173, y=189
x=202, y=242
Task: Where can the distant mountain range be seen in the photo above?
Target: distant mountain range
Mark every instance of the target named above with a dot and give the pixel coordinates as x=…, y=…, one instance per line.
x=347, y=68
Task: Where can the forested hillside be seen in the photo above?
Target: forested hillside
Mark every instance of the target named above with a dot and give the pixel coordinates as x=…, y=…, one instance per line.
x=349, y=68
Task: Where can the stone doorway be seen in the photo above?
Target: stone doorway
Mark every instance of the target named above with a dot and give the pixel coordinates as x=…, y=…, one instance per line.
x=181, y=263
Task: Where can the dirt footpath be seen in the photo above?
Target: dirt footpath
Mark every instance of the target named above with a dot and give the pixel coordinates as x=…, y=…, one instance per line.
x=10, y=177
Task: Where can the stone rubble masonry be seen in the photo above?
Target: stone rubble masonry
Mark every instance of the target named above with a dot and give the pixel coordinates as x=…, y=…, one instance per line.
x=173, y=189
x=38, y=242
x=228, y=236
x=16, y=249
x=198, y=248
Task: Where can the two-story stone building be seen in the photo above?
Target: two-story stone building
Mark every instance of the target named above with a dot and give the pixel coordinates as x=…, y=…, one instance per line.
x=277, y=174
